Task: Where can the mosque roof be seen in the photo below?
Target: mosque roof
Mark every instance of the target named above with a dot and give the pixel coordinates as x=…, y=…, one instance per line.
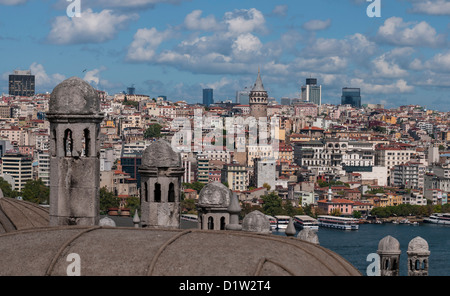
x=19, y=214
x=110, y=251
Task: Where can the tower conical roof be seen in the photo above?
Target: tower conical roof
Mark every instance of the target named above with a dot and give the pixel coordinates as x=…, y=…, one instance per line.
x=258, y=84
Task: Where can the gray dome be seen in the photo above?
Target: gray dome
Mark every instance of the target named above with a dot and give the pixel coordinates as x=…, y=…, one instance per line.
x=308, y=235
x=418, y=246
x=106, y=221
x=214, y=195
x=256, y=221
x=106, y=251
x=389, y=245
x=74, y=96
x=161, y=155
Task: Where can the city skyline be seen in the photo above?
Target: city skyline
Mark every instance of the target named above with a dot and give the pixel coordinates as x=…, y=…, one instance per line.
x=177, y=48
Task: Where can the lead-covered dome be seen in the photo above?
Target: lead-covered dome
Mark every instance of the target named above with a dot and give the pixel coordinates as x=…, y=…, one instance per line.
x=20, y=214
x=214, y=195
x=107, y=251
x=418, y=246
x=161, y=155
x=74, y=96
x=389, y=245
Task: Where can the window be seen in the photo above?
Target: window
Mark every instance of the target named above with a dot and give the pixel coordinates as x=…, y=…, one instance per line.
x=68, y=142
x=86, y=142
x=171, y=192
x=157, y=192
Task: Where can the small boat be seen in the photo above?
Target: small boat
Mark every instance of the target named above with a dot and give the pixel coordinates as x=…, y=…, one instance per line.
x=305, y=221
x=415, y=223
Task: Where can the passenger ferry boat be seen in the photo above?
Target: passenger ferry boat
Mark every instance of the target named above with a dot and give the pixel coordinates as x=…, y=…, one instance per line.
x=304, y=221
x=338, y=222
x=273, y=222
x=438, y=218
x=189, y=217
x=282, y=222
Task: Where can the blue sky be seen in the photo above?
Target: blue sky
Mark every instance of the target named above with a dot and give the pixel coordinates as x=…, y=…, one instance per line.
x=177, y=47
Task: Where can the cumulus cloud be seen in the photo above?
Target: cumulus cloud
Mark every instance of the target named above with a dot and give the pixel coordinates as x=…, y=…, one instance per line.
x=399, y=86
x=245, y=21
x=397, y=32
x=43, y=80
x=431, y=7
x=387, y=68
x=145, y=43
x=316, y=25
x=91, y=27
x=194, y=22
x=12, y=2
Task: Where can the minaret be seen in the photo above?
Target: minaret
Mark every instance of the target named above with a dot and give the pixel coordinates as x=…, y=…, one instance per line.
x=74, y=116
x=258, y=99
x=330, y=194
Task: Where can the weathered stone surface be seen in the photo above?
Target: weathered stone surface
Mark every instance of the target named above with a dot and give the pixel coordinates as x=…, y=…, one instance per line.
x=161, y=155
x=74, y=96
x=106, y=251
x=214, y=194
x=308, y=235
x=256, y=221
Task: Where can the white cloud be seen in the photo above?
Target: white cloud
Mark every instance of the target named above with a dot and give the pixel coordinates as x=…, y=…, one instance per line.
x=145, y=43
x=316, y=25
x=246, y=47
x=399, y=86
x=431, y=7
x=280, y=10
x=194, y=22
x=44, y=80
x=91, y=27
x=12, y=2
x=388, y=69
x=245, y=21
x=397, y=32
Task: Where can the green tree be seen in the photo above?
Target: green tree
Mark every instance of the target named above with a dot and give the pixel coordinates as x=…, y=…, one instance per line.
x=153, y=131
x=272, y=204
x=133, y=203
x=7, y=189
x=188, y=206
x=36, y=191
x=107, y=200
x=197, y=186
x=267, y=186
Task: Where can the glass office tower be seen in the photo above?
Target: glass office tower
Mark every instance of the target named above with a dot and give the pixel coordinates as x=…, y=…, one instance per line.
x=208, y=97
x=21, y=83
x=351, y=96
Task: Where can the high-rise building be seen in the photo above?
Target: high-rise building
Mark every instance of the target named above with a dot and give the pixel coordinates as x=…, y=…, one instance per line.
x=243, y=97
x=19, y=166
x=351, y=96
x=311, y=92
x=208, y=97
x=22, y=83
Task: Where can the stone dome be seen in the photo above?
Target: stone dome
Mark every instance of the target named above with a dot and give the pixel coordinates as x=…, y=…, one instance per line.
x=214, y=195
x=161, y=155
x=256, y=221
x=389, y=245
x=418, y=246
x=74, y=96
x=106, y=221
x=106, y=251
x=20, y=214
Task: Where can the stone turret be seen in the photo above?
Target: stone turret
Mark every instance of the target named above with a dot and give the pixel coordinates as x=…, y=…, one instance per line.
x=389, y=251
x=213, y=202
x=161, y=173
x=75, y=117
x=418, y=254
